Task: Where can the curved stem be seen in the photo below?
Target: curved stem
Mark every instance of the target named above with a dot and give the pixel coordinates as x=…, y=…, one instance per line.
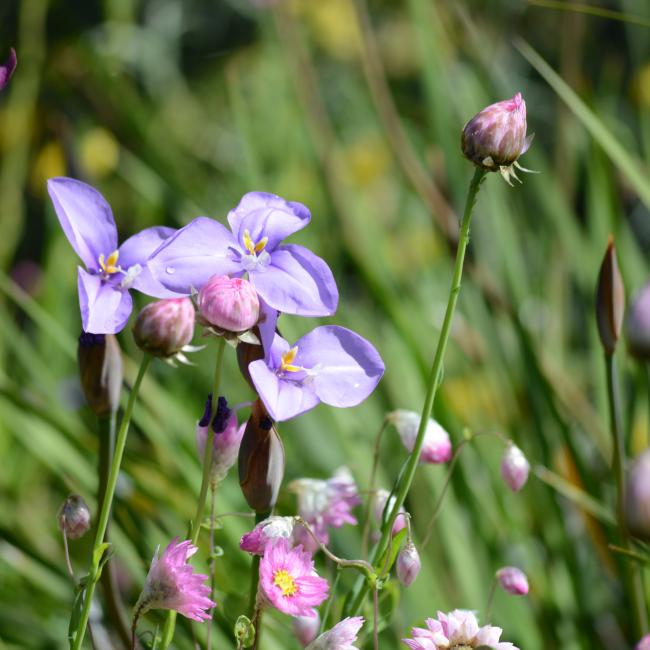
x=371, y=489
x=78, y=635
x=432, y=386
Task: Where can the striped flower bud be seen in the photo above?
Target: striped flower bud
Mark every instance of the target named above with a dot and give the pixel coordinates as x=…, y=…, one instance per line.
x=408, y=564
x=74, y=517
x=229, y=304
x=610, y=300
x=100, y=369
x=163, y=328
x=514, y=467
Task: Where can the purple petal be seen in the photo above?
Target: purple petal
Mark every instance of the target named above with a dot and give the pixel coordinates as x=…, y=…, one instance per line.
x=193, y=255
x=346, y=366
x=267, y=215
x=86, y=219
x=297, y=282
x=266, y=325
x=7, y=68
x=105, y=309
x=136, y=250
x=283, y=398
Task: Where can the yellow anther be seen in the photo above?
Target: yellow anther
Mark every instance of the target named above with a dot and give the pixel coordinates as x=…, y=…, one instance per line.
x=110, y=265
x=285, y=581
x=252, y=247
x=287, y=361
x=259, y=247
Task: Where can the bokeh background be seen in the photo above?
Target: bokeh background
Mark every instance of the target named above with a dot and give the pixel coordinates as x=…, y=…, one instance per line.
x=175, y=109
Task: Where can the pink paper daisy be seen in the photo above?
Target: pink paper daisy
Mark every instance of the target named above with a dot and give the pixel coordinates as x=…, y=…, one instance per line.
x=289, y=580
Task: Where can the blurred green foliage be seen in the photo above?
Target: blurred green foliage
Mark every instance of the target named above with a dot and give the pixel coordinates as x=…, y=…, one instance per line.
x=175, y=109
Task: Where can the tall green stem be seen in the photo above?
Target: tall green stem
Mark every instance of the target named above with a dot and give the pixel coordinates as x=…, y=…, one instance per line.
x=170, y=623
x=408, y=474
x=633, y=570
x=104, y=515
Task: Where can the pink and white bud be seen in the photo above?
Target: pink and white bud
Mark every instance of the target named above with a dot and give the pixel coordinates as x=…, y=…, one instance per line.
x=265, y=532
x=436, y=447
x=340, y=637
x=637, y=498
x=229, y=304
x=408, y=564
x=227, y=437
x=513, y=580
x=644, y=643
x=514, y=467
x=163, y=328
x=638, y=325
x=74, y=517
x=381, y=498
x=306, y=628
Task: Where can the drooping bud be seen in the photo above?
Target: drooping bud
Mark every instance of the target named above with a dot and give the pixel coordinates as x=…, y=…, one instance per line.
x=7, y=68
x=513, y=580
x=637, y=498
x=638, y=325
x=496, y=136
x=74, y=517
x=265, y=533
x=436, y=447
x=514, y=467
x=306, y=628
x=229, y=304
x=408, y=564
x=163, y=328
x=261, y=461
x=644, y=643
x=610, y=300
x=100, y=370
x=381, y=498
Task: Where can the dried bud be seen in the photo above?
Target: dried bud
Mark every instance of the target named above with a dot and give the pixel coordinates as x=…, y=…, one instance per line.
x=513, y=580
x=261, y=461
x=408, y=564
x=436, y=447
x=74, y=517
x=100, y=370
x=306, y=628
x=496, y=137
x=514, y=467
x=7, y=68
x=638, y=325
x=610, y=300
x=163, y=328
x=229, y=304
x=381, y=498
x=637, y=498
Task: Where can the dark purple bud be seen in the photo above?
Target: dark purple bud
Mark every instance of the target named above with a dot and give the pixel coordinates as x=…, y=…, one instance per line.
x=222, y=415
x=163, y=328
x=610, y=300
x=74, y=517
x=261, y=461
x=100, y=370
x=638, y=325
x=637, y=498
x=7, y=68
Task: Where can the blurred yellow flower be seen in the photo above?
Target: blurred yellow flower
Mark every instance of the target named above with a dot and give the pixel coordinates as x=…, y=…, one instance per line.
x=98, y=152
x=50, y=162
x=334, y=26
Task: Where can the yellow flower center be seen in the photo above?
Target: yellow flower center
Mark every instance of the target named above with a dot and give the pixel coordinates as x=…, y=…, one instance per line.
x=287, y=361
x=110, y=265
x=254, y=247
x=285, y=581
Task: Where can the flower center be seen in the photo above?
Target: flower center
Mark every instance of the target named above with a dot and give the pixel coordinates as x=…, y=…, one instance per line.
x=254, y=247
x=285, y=581
x=287, y=364
x=109, y=265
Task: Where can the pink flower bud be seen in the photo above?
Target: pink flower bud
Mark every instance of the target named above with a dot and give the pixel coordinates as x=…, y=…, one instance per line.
x=644, y=643
x=610, y=300
x=513, y=580
x=638, y=325
x=408, y=564
x=230, y=304
x=340, y=637
x=74, y=517
x=266, y=532
x=496, y=136
x=381, y=497
x=306, y=628
x=436, y=447
x=637, y=498
x=163, y=328
x=514, y=467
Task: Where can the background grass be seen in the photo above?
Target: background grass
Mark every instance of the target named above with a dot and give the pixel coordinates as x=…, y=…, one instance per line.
x=175, y=109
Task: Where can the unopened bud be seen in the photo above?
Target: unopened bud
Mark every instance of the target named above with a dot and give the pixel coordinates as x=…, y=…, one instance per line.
x=163, y=328
x=244, y=632
x=644, y=643
x=436, y=447
x=265, y=533
x=230, y=304
x=514, y=467
x=100, y=370
x=610, y=300
x=408, y=564
x=261, y=460
x=637, y=498
x=7, y=68
x=638, y=325
x=381, y=498
x=74, y=517
x=513, y=580
x=306, y=628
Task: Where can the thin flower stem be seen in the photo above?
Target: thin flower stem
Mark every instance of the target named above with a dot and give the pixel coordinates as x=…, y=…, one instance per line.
x=634, y=575
x=67, y=558
x=375, y=618
x=79, y=633
x=255, y=602
x=371, y=489
x=213, y=498
x=490, y=600
x=406, y=480
x=330, y=600
x=170, y=622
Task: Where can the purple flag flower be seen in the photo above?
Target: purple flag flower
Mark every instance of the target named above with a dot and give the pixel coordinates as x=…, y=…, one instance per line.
x=288, y=277
x=7, y=68
x=331, y=364
x=88, y=223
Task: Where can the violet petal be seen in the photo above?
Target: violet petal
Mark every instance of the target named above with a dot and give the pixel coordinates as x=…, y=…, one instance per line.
x=266, y=325
x=7, y=68
x=105, y=309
